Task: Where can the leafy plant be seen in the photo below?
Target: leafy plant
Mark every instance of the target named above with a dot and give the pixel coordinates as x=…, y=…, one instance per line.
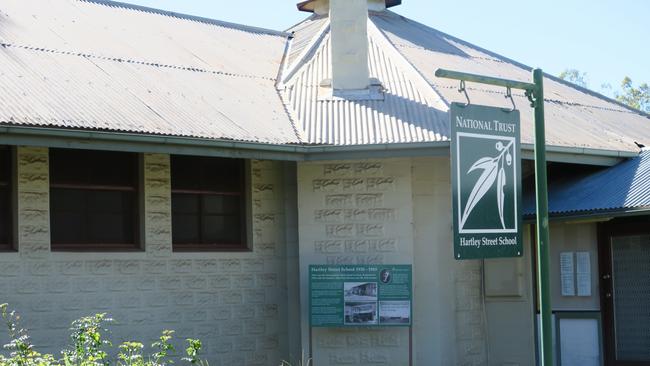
x=89, y=347
x=87, y=342
x=21, y=351
x=192, y=351
x=164, y=347
x=303, y=361
x=131, y=354
x=493, y=171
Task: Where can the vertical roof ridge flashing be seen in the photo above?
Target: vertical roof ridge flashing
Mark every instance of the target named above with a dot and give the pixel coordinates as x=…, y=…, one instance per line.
x=305, y=56
x=423, y=84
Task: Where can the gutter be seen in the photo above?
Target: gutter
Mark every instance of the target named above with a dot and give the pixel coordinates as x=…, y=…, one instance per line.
x=69, y=138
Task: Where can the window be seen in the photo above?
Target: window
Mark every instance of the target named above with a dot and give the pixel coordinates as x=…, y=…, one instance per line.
x=6, y=201
x=93, y=200
x=208, y=204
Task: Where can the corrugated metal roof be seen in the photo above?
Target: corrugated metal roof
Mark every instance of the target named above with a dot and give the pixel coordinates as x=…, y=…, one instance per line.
x=108, y=66
x=623, y=187
x=574, y=117
x=100, y=65
x=304, y=36
x=409, y=112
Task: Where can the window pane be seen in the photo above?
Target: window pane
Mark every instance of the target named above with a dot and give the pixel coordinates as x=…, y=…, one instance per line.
x=93, y=167
x=6, y=211
x=5, y=217
x=222, y=175
x=92, y=216
x=108, y=228
x=185, y=229
x=185, y=172
x=68, y=166
x=5, y=165
x=185, y=203
x=67, y=200
x=113, y=168
x=99, y=205
x=221, y=229
x=216, y=204
x=68, y=227
x=207, y=174
x=208, y=203
x=109, y=202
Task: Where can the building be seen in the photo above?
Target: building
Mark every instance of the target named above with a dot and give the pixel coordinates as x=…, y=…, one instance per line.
x=183, y=173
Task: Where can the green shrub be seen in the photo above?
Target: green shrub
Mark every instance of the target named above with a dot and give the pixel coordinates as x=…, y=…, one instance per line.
x=89, y=347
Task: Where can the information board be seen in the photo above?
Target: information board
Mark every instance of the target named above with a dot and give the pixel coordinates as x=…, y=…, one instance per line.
x=486, y=182
x=360, y=295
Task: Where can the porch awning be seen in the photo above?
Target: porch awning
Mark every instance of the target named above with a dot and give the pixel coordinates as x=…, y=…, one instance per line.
x=623, y=188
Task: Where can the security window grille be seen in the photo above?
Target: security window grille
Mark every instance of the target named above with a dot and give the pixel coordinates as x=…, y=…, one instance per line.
x=93, y=200
x=208, y=204
x=6, y=212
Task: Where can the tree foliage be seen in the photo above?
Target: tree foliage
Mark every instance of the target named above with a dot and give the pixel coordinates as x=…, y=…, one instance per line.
x=635, y=97
x=574, y=76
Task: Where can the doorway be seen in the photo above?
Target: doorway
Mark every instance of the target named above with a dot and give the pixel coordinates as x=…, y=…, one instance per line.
x=624, y=247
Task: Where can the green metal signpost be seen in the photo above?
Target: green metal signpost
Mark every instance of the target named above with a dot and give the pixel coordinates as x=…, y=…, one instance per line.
x=535, y=93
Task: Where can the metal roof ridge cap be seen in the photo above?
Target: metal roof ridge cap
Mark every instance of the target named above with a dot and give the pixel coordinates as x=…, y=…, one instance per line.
x=237, y=26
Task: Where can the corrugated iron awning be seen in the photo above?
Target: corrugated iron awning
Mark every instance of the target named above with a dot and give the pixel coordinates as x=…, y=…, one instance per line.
x=620, y=189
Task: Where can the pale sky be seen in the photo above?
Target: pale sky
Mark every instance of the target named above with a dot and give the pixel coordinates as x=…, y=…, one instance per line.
x=606, y=39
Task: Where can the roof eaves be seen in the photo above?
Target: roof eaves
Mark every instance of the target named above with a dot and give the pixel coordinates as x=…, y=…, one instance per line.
x=241, y=27
x=590, y=214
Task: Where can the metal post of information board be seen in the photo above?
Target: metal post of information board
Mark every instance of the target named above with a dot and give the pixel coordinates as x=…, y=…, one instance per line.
x=535, y=92
x=541, y=199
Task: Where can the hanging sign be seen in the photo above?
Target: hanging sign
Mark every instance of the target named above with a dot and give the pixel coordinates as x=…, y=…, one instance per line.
x=486, y=182
x=360, y=295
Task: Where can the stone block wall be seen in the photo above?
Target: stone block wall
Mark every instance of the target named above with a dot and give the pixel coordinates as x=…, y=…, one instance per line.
x=235, y=302
x=392, y=211
x=356, y=212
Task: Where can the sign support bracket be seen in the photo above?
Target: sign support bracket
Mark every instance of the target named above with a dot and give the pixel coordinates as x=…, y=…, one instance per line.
x=535, y=93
